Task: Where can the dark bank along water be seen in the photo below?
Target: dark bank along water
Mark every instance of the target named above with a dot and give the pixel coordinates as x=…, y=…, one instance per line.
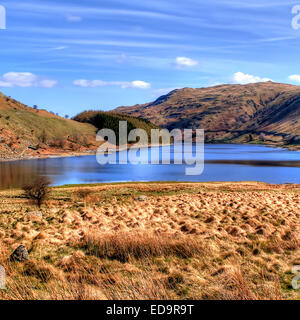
x=222, y=163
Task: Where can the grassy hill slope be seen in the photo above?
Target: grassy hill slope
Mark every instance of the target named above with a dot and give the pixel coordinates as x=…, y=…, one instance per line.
x=25, y=131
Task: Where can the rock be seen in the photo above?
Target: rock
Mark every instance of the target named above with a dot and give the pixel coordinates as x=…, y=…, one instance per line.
x=20, y=254
x=36, y=214
x=142, y=198
x=35, y=148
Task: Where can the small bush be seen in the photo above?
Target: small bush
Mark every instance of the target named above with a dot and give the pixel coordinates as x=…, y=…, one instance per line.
x=38, y=190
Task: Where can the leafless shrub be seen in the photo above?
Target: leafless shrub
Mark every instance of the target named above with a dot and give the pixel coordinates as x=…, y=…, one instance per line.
x=38, y=190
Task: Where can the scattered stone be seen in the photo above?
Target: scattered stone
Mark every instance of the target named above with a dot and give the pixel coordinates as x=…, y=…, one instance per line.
x=142, y=198
x=20, y=254
x=36, y=214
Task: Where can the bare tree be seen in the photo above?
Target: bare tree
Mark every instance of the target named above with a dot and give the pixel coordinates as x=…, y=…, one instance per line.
x=38, y=190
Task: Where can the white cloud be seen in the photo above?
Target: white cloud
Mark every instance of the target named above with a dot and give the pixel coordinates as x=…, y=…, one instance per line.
x=138, y=84
x=25, y=80
x=243, y=78
x=71, y=18
x=295, y=77
x=185, y=62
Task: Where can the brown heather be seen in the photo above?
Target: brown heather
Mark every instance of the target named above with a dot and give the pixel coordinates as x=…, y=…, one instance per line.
x=186, y=241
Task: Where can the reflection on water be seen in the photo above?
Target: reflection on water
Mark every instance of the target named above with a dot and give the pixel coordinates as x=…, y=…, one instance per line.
x=222, y=163
x=16, y=175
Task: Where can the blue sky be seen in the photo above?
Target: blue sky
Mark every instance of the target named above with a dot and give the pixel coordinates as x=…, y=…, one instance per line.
x=68, y=55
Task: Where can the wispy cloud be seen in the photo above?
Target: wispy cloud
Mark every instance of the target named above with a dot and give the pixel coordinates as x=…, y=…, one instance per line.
x=126, y=43
x=59, y=48
x=97, y=32
x=137, y=84
x=46, y=8
x=254, y=4
x=138, y=44
x=72, y=18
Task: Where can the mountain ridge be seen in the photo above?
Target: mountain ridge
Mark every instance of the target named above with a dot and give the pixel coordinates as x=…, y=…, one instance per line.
x=265, y=112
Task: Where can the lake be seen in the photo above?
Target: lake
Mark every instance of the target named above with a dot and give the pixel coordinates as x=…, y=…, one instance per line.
x=222, y=163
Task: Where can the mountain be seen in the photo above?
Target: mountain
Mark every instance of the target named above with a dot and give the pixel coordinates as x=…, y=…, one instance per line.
x=265, y=112
x=26, y=132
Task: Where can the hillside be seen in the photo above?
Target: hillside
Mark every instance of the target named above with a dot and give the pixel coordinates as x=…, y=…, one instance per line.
x=111, y=120
x=255, y=113
x=27, y=132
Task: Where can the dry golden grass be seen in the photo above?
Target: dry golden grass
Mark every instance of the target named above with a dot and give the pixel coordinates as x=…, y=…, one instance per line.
x=186, y=241
x=138, y=245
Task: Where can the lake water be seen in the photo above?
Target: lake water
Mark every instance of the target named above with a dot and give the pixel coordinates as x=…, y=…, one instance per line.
x=222, y=163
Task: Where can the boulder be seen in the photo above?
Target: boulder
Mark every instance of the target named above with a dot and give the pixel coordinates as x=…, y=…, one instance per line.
x=20, y=254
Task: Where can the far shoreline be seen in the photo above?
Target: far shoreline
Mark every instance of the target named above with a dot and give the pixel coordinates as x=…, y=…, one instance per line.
x=94, y=152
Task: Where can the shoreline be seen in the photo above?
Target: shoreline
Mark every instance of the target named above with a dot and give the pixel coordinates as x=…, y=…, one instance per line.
x=158, y=183
x=51, y=156
x=181, y=183
x=93, y=152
